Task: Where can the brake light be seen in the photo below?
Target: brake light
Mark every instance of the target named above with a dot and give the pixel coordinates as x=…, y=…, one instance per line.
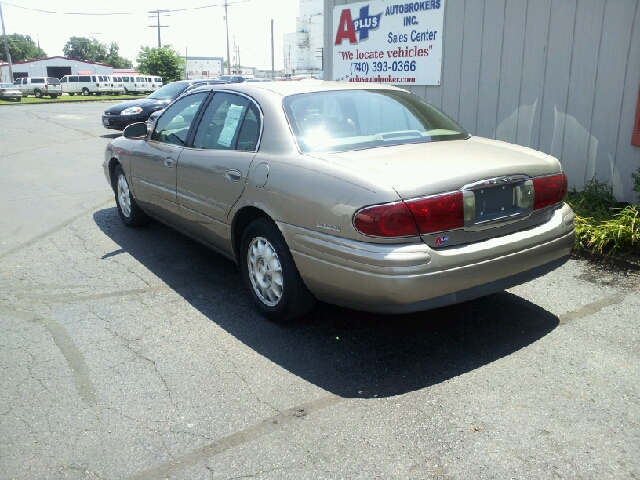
x=438, y=213
x=549, y=190
x=388, y=220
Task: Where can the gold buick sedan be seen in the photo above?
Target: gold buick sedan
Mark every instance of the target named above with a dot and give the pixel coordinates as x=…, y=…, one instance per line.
x=366, y=197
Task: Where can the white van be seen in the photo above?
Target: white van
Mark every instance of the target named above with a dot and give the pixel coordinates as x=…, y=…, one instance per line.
x=157, y=83
x=116, y=83
x=133, y=84
x=85, y=84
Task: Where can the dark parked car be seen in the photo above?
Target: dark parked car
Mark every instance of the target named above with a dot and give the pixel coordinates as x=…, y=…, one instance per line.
x=117, y=117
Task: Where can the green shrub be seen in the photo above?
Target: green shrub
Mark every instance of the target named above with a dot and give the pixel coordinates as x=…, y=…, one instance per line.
x=601, y=225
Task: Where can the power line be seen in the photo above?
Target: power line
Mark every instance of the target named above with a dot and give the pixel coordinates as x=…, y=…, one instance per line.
x=124, y=13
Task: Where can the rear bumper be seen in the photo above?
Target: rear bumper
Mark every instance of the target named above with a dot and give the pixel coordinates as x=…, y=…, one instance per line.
x=413, y=277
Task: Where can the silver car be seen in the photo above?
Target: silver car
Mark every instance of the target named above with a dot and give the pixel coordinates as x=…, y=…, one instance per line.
x=362, y=196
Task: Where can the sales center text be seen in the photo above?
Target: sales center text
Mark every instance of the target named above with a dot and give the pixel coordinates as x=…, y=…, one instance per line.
x=415, y=36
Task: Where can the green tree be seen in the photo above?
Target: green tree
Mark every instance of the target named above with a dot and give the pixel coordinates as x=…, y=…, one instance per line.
x=115, y=60
x=92, y=50
x=164, y=62
x=88, y=49
x=21, y=48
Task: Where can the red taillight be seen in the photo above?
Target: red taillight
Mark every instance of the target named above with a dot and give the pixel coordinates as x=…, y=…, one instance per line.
x=412, y=217
x=549, y=190
x=388, y=220
x=438, y=213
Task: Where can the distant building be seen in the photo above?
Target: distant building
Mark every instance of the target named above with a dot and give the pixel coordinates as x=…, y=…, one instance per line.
x=53, y=67
x=203, y=67
x=303, y=50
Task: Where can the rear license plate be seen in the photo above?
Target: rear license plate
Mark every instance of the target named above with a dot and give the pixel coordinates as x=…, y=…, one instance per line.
x=494, y=202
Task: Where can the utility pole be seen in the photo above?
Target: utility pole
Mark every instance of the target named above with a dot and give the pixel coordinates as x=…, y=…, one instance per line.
x=6, y=46
x=226, y=19
x=156, y=13
x=273, y=70
x=321, y=56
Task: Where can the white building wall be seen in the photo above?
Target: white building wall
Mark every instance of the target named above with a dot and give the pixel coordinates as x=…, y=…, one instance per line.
x=38, y=68
x=560, y=76
x=302, y=49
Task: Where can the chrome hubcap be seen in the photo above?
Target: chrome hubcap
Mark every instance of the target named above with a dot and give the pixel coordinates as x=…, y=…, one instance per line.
x=265, y=271
x=123, y=196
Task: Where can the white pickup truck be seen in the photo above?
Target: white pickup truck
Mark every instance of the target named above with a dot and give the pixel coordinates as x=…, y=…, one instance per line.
x=40, y=86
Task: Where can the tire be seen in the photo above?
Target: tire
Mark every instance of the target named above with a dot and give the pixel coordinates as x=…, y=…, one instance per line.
x=54, y=95
x=19, y=99
x=130, y=213
x=126, y=92
x=71, y=94
x=37, y=93
x=85, y=91
x=270, y=274
x=98, y=94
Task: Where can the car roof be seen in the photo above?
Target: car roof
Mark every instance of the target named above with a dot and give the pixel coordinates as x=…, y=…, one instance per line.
x=294, y=88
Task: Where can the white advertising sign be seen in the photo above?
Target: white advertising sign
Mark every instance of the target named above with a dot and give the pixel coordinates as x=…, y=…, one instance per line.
x=385, y=41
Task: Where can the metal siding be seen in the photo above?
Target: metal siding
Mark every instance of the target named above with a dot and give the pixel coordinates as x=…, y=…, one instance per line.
x=582, y=84
x=452, y=51
x=533, y=68
x=511, y=70
x=609, y=89
x=627, y=159
x=470, y=69
x=561, y=76
x=556, y=77
x=489, y=81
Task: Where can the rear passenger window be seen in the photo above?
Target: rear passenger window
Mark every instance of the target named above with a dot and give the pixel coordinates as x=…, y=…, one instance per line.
x=85, y=78
x=37, y=80
x=231, y=122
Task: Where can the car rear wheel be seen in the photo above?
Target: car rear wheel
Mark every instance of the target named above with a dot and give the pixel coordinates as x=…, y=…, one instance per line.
x=54, y=95
x=37, y=93
x=71, y=94
x=270, y=274
x=85, y=91
x=128, y=209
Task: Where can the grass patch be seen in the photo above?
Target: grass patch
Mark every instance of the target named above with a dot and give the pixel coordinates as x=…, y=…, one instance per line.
x=603, y=225
x=68, y=98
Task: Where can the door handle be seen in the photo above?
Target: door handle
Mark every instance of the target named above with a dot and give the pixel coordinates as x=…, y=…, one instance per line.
x=169, y=162
x=234, y=175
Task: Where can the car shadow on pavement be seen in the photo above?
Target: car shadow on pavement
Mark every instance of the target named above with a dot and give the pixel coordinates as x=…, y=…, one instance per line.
x=111, y=135
x=346, y=352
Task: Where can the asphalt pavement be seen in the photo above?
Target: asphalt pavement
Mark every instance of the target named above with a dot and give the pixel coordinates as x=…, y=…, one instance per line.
x=136, y=353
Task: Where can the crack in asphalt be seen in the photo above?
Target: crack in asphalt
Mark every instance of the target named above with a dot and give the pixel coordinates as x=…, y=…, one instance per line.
x=590, y=308
x=53, y=230
x=79, y=368
x=265, y=427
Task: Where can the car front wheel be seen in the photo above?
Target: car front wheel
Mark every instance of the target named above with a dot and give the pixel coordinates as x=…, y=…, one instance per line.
x=270, y=274
x=85, y=91
x=130, y=213
x=38, y=93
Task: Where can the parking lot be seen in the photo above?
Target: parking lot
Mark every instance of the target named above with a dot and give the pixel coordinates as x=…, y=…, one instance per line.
x=136, y=353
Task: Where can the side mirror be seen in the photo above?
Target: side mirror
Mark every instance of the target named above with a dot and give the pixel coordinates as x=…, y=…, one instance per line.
x=135, y=130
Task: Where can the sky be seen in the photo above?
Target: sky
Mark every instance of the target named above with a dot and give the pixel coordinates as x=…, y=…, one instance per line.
x=199, y=31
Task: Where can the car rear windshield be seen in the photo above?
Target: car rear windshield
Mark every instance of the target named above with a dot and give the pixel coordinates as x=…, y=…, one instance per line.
x=53, y=81
x=354, y=119
x=171, y=90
